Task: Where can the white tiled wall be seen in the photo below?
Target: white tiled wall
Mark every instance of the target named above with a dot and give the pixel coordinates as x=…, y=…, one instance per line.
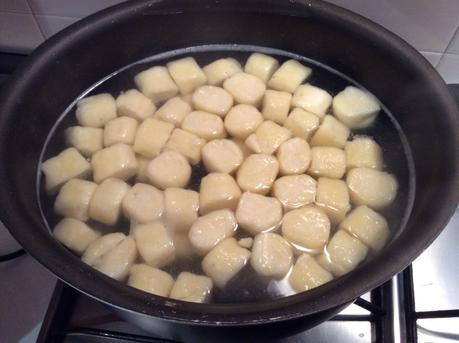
x=430, y=26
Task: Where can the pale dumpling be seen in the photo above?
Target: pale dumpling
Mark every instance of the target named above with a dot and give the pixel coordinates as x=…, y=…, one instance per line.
x=374, y=188
x=355, y=107
x=271, y=255
x=192, y=287
x=368, y=225
x=308, y=274
x=150, y=280
x=222, y=155
x=295, y=191
x=343, y=253
x=258, y=213
x=224, y=261
x=169, y=169
x=257, y=173
x=307, y=227
x=210, y=229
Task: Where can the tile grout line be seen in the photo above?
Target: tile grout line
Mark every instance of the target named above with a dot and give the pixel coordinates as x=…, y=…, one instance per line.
x=36, y=21
x=15, y=12
x=424, y=52
x=28, y=5
x=450, y=42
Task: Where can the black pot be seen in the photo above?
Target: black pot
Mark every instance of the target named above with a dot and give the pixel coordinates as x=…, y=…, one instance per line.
x=68, y=63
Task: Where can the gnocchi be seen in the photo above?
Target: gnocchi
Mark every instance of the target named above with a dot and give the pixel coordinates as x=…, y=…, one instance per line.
x=308, y=274
x=224, y=261
x=96, y=110
x=134, y=104
x=75, y=234
x=150, y=280
x=258, y=213
x=307, y=228
x=73, y=199
x=105, y=203
x=192, y=287
x=219, y=70
x=301, y=123
x=267, y=138
x=250, y=170
x=257, y=173
x=142, y=169
x=271, y=255
x=151, y=137
x=276, y=106
x=87, y=140
x=242, y=120
x=209, y=230
x=327, y=161
x=333, y=196
x=222, y=155
x=155, y=244
x=120, y=130
x=289, y=76
x=245, y=88
x=100, y=246
x=218, y=191
x=355, y=107
x=116, y=261
x=206, y=125
x=63, y=167
x=369, y=226
x=186, y=143
x=169, y=169
x=187, y=74
x=115, y=161
x=156, y=83
x=330, y=133
x=181, y=208
x=294, y=156
x=343, y=253
x=173, y=111
x=184, y=250
x=212, y=99
x=371, y=187
x=261, y=65
x=312, y=99
x=295, y=191
x=363, y=152
x=143, y=203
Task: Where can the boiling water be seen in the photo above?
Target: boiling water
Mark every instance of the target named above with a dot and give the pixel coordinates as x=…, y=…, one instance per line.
x=247, y=285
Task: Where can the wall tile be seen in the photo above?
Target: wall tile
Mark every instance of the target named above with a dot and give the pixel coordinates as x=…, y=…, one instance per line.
x=427, y=25
x=70, y=8
x=453, y=47
x=432, y=57
x=19, y=32
x=50, y=25
x=448, y=67
x=20, y=6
